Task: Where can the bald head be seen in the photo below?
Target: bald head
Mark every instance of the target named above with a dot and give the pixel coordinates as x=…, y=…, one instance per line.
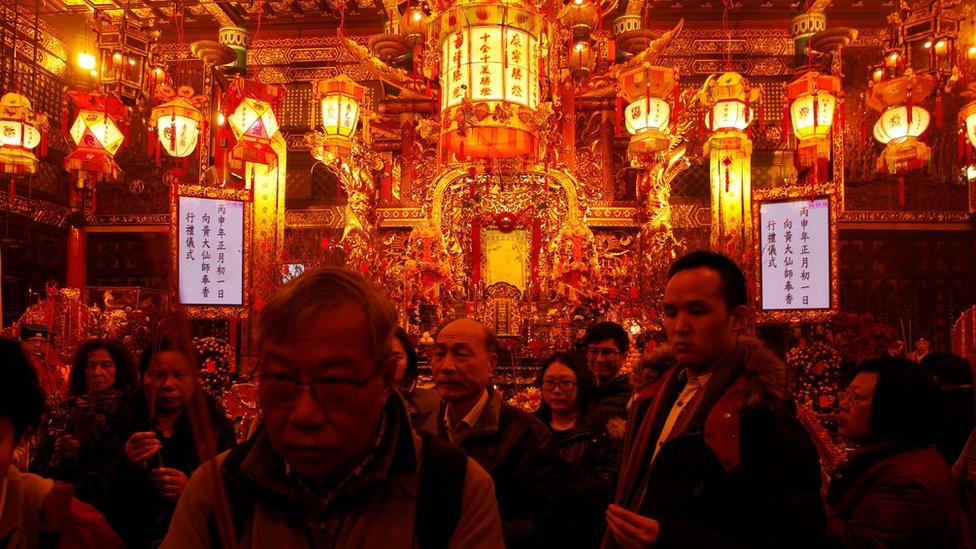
x=472, y=326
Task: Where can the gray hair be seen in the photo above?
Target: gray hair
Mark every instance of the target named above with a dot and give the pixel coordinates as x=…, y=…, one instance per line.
x=295, y=303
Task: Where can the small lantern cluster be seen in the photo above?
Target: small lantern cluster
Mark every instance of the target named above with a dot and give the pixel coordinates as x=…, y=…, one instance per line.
x=21, y=131
x=177, y=122
x=97, y=129
x=647, y=89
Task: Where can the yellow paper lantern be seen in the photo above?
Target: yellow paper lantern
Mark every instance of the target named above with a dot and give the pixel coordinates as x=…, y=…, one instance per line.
x=489, y=76
x=647, y=119
x=340, y=102
x=648, y=114
x=20, y=133
x=727, y=99
x=814, y=99
x=894, y=124
x=177, y=121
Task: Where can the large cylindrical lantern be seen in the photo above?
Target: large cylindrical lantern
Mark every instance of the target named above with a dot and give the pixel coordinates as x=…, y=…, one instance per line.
x=813, y=102
x=98, y=130
x=729, y=101
x=647, y=90
x=340, y=100
x=21, y=131
x=177, y=121
x=489, y=75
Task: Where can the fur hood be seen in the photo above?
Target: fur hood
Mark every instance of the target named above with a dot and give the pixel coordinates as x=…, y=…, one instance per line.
x=768, y=382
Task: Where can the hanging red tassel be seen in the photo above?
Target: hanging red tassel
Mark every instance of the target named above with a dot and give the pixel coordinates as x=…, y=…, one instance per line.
x=44, y=144
x=785, y=126
x=938, y=111
x=816, y=111
x=969, y=155
x=960, y=145
x=909, y=109
x=901, y=191
x=728, y=177
x=618, y=117
x=10, y=192
x=149, y=141
x=701, y=125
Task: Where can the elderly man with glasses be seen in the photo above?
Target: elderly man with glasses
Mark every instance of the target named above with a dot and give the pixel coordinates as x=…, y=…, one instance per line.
x=336, y=463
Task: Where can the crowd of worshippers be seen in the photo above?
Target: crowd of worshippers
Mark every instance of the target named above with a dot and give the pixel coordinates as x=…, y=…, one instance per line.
x=699, y=446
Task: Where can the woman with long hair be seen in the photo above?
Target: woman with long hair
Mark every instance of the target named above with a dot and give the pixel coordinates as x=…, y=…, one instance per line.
x=85, y=435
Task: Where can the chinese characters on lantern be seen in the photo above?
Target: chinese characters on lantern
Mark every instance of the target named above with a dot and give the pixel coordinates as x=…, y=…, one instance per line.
x=490, y=63
x=211, y=254
x=796, y=268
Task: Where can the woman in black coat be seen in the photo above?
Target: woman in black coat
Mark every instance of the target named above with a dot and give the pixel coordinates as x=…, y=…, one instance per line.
x=592, y=452
x=896, y=490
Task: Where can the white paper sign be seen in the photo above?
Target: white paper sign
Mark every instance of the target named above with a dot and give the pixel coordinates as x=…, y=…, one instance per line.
x=211, y=251
x=795, y=254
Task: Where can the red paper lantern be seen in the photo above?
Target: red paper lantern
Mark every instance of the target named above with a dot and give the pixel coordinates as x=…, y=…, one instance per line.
x=98, y=129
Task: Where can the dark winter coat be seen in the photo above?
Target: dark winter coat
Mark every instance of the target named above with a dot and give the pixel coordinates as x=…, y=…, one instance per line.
x=893, y=496
x=516, y=450
x=609, y=401
x=742, y=472
x=140, y=516
x=594, y=459
x=101, y=439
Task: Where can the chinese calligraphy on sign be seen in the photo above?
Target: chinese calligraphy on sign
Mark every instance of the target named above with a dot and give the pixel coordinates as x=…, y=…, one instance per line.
x=211, y=253
x=796, y=269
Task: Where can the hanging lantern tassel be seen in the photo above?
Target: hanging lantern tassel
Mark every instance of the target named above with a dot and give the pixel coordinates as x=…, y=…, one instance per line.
x=149, y=140
x=785, y=121
x=727, y=161
x=901, y=191
x=44, y=142
x=10, y=192
x=618, y=117
x=938, y=111
x=816, y=111
x=960, y=145
x=908, y=114
x=701, y=125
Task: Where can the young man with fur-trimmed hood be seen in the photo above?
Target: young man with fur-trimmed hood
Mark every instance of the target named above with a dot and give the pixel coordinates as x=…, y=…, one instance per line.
x=714, y=455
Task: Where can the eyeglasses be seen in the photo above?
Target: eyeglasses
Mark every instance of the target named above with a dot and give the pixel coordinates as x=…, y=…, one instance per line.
x=601, y=352
x=851, y=397
x=329, y=392
x=564, y=385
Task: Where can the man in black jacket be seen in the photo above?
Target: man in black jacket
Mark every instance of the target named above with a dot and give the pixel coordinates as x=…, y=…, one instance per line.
x=606, y=345
x=512, y=445
x=714, y=455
